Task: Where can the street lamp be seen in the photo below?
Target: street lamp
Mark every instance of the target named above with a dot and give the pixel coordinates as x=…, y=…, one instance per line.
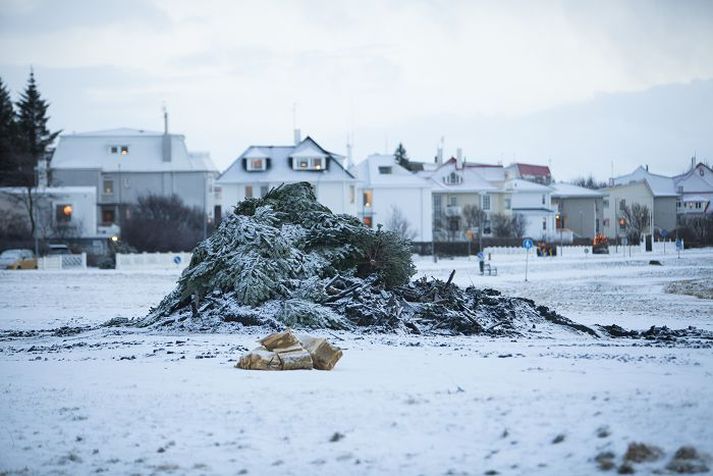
x=558, y=224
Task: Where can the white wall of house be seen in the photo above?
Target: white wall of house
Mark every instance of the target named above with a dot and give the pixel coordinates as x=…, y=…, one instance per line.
x=633, y=192
x=413, y=203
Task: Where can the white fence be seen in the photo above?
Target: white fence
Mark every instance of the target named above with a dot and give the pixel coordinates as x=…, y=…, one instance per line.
x=63, y=262
x=658, y=247
x=138, y=261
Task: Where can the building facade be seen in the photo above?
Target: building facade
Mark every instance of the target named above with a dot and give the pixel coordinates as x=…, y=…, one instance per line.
x=260, y=168
x=125, y=164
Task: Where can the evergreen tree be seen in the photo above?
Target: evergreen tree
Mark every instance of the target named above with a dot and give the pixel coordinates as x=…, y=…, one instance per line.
x=401, y=156
x=35, y=139
x=8, y=134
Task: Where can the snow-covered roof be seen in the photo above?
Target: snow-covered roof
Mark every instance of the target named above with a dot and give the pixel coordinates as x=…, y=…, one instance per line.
x=382, y=171
x=519, y=185
x=698, y=179
x=92, y=150
x=472, y=179
x=279, y=169
x=568, y=190
x=491, y=173
x=695, y=198
x=659, y=185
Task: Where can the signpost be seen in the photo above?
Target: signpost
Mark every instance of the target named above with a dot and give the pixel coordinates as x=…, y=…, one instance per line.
x=527, y=244
x=679, y=247
x=664, y=235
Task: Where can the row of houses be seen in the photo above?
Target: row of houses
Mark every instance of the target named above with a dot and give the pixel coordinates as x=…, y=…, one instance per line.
x=96, y=176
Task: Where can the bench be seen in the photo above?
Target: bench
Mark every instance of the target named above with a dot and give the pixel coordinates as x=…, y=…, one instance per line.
x=491, y=270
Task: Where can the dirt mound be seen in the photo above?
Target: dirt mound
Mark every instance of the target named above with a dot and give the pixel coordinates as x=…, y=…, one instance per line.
x=690, y=336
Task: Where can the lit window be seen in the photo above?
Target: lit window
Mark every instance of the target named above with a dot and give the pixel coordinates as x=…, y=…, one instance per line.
x=256, y=164
x=486, y=202
x=306, y=163
x=124, y=149
x=64, y=213
x=368, y=221
x=108, y=215
x=108, y=187
x=248, y=191
x=385, y=170
x=368, y=195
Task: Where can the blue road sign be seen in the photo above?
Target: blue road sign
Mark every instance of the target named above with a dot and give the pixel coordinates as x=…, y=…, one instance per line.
x=177, y=259
x=480, y=255
x=527, y=243
x=679, y=244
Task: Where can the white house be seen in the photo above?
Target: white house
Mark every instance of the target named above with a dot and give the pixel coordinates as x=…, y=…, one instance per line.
x=695, y=188
x=532, y=201
x=387, y=188
x=59, y=212
x=260, y=168
x=656, y=192
x=124, y=164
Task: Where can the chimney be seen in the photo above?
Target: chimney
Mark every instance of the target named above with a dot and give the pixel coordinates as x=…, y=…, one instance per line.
x=166, y=139
x=646, y=167
x=298, y=136
x=693, y=162
x=459, y=155
x=439, y=154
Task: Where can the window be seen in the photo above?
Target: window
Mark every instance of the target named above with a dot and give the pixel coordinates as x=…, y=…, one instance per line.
x=544, y=223
x=352, y=194
x=452, y=201
x=701, y=172
x=256, y=164
x=622, y=223
x=605, y=222
x=124, y=149
x=385, y=170
x=486, y=227
x=114, y=149
x=605, y=203
x=368, y=221
x=263, y=190
x=367, y=198
x=248, y=191
x=543, y=198
x=437, y=204
x=622, y=204
x=108, y=187
x=698, y=204
x=508, y=203
x=305, y=163
x=108, y=215
x=453, y=179
x=63, y=213
x=218, y=192
x=486, y=202
x=678, y=204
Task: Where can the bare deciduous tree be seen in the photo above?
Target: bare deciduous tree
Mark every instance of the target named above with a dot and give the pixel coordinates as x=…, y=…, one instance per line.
x=637, y=218
x=399, y=224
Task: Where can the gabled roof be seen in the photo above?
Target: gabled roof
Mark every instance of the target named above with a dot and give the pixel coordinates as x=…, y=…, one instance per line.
x=279, y=170
x=568, y=190
x=472, y=180
x=368, y=172
x=659, y=185
x=692, y=179
x=531, y=169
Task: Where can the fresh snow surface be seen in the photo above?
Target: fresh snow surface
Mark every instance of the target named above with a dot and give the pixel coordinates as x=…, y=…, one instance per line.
x=128, y=401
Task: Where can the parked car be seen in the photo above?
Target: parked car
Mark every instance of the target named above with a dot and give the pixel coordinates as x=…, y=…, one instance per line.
x=18, y=259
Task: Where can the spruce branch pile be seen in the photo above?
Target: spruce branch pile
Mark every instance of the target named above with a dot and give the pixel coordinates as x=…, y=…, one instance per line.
x=284, y=260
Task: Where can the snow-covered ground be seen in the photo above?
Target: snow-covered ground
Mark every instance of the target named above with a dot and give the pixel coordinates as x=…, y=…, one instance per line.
x=125, y=401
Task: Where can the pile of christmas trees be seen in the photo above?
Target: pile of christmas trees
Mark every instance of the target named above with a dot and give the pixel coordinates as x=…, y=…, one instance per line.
x=284, y=260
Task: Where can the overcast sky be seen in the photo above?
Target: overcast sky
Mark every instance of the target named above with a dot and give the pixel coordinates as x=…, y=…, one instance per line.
x=580, y=85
